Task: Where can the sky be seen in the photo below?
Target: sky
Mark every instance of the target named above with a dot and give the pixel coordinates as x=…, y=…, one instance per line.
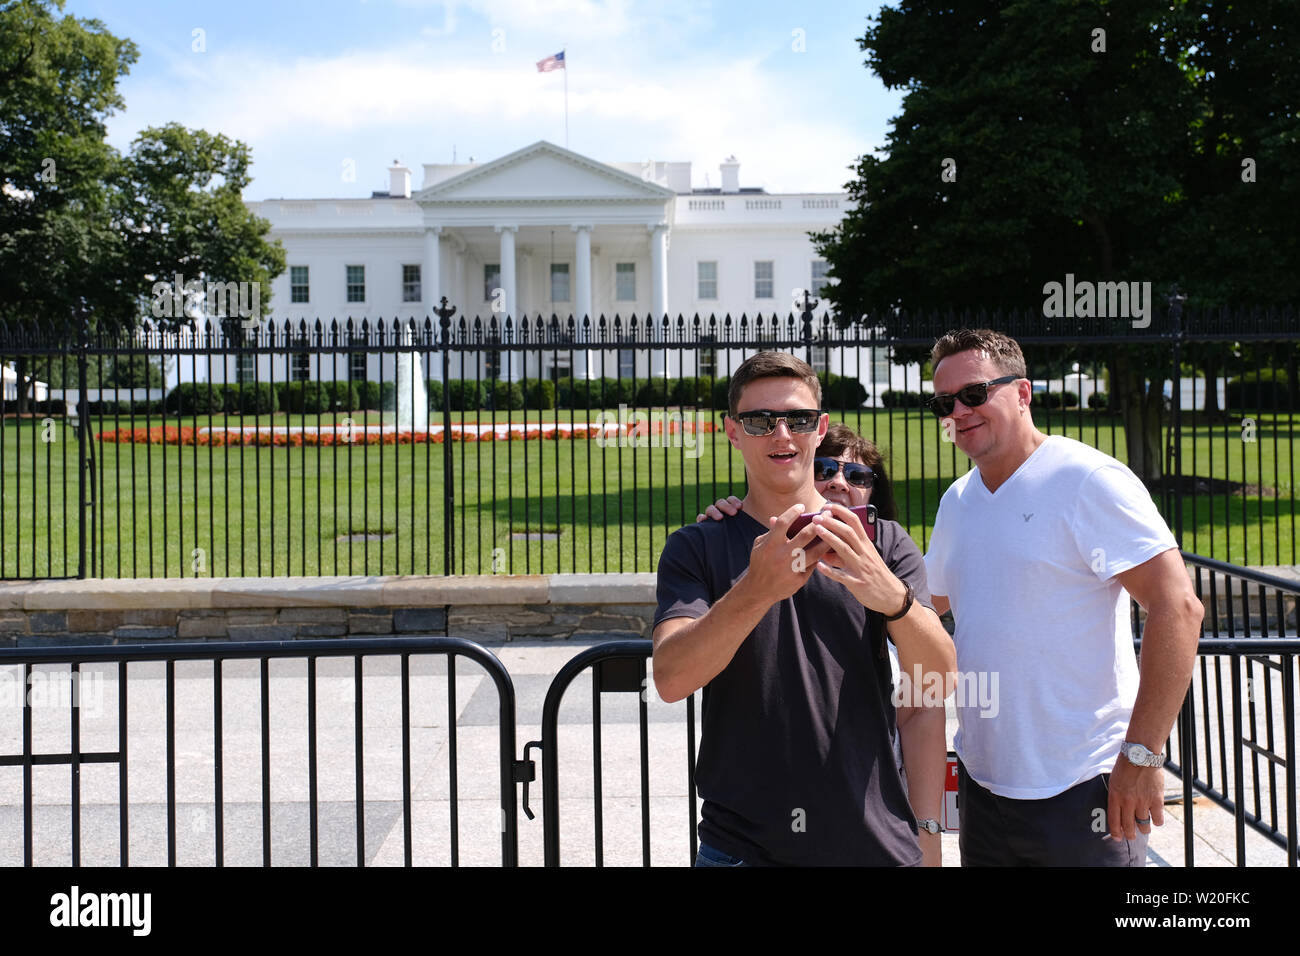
x=327, y=93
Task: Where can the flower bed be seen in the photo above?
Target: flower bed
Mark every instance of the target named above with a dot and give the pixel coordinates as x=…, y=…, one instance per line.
x=329, y=435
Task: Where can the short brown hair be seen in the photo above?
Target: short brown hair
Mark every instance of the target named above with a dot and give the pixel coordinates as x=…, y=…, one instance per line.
x=840, y=440
x=771, y=365
x=1001, y=349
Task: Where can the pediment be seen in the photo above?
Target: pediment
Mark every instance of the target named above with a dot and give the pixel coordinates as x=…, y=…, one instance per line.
x=543, y=172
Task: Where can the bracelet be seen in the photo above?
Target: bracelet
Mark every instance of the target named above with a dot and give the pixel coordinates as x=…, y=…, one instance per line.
x=907, y=604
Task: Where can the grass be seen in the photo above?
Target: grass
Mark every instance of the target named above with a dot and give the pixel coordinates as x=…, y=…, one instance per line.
x=187, y=511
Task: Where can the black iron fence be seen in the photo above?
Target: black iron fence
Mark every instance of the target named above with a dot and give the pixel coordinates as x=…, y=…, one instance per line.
x=1235, y=740
x=297, y=449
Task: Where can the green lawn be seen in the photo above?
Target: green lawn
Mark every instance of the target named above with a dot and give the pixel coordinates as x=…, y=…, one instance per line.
x=162, y=510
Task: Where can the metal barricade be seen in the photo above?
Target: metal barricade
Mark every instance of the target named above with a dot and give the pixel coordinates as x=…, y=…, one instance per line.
x=120, y=751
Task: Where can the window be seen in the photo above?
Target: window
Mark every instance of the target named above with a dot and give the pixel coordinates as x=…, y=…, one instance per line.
x=626, y=363
x=625, y=281
x=763, y=280
x=410, y=283
x=559, y=282
x=707, y=364
x=300, y=362
x=561, y=367
x=356, y=283
x=246, y=369
x=819, y=279
x=298, y=287
x=706, y=274
x=821, y=359
x=491, y=280
x=357, y=361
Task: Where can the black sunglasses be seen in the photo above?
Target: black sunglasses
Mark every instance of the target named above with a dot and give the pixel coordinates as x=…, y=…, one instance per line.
x=824, y=469
x=763, y=421
x=971, y=396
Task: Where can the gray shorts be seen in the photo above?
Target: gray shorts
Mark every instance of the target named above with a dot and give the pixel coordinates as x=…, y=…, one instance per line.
x=1064, y=830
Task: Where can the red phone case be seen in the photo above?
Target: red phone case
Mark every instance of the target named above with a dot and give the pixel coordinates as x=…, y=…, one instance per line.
x=866, y=514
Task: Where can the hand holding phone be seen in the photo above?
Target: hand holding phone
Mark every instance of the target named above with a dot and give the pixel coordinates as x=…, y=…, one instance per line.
x=866, y=514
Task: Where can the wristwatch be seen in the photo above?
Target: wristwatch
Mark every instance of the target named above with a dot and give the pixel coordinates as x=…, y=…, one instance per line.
x=1139, y=756
x=929, y=826
x=907, y=604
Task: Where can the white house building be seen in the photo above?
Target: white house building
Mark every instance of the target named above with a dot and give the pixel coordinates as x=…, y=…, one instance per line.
x=547, y=231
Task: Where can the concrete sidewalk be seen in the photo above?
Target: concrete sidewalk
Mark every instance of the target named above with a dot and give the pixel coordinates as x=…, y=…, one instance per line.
x=532, y=667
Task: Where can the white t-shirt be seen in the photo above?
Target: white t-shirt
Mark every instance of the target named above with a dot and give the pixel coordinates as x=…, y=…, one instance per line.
x=1041, y=620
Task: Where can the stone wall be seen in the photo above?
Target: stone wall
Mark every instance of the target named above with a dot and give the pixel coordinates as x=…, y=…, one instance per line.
x=484, y=609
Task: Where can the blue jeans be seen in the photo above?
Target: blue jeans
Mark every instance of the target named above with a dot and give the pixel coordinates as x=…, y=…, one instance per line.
x=711, y=856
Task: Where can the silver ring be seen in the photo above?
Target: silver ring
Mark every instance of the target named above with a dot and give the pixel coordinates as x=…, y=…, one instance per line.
x=1142, y=822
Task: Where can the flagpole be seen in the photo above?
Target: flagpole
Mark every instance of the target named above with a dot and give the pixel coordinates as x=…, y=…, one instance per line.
x=566, y=97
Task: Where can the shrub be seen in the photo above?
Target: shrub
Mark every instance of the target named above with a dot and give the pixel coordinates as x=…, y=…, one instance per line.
x=1265, y=390
x=503, y=395
x=195, y=398
x=1064, y=399
x=539, y=393
x=465, y=394
x=434, y=389
x=378, y=396
x=690, y=390
x=842, y=392
x=1099, y=400
x=312, y=398
x=653, y=392
x=720, y=388
x=251, y=399
x=896, y=398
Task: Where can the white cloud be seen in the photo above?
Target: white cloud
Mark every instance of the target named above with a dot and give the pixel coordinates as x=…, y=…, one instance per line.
x=625, y=103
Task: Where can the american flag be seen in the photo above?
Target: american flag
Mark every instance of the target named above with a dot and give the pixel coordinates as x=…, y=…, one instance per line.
x=551, y=63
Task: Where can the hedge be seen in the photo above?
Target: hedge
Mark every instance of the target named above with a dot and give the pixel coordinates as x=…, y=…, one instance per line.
x=1099, y=400
x=311, y=398
x=1265, y=390
x=892, y=398
x=1065, y=399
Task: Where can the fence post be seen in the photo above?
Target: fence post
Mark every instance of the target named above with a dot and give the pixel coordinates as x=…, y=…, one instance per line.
x=1176, y=300
x=808, y=305
x=444, y=314
x=83, y=449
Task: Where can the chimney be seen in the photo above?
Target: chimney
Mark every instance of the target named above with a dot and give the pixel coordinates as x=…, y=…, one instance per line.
x=399, y=181
x=730, y=170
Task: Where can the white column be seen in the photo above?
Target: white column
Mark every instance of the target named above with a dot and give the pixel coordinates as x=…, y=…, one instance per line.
x=431, y=271
x=582, y=297
x=508, y=283
x=508, y=271
x=658, y=290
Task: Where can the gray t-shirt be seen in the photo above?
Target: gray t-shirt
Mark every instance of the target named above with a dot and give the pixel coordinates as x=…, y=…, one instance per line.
x=796, y=764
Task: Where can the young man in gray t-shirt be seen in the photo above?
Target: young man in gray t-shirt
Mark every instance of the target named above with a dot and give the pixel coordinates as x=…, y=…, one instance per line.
x=795, y=763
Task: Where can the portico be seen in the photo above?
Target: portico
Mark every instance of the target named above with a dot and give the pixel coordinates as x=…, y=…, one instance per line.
x=545, y=231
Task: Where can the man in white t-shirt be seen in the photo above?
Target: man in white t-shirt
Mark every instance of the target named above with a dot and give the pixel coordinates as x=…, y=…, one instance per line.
x=1037, y=550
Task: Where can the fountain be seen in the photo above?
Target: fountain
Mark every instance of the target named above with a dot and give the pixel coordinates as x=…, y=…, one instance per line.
x=412, y=395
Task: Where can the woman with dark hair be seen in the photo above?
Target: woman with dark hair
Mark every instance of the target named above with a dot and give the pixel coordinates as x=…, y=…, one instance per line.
x=850, y=470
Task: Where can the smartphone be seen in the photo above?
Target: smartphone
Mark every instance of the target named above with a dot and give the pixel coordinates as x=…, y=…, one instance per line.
x=866, y=514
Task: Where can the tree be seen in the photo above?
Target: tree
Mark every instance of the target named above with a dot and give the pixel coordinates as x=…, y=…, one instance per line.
x=1046, y=137
x=84, y=231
